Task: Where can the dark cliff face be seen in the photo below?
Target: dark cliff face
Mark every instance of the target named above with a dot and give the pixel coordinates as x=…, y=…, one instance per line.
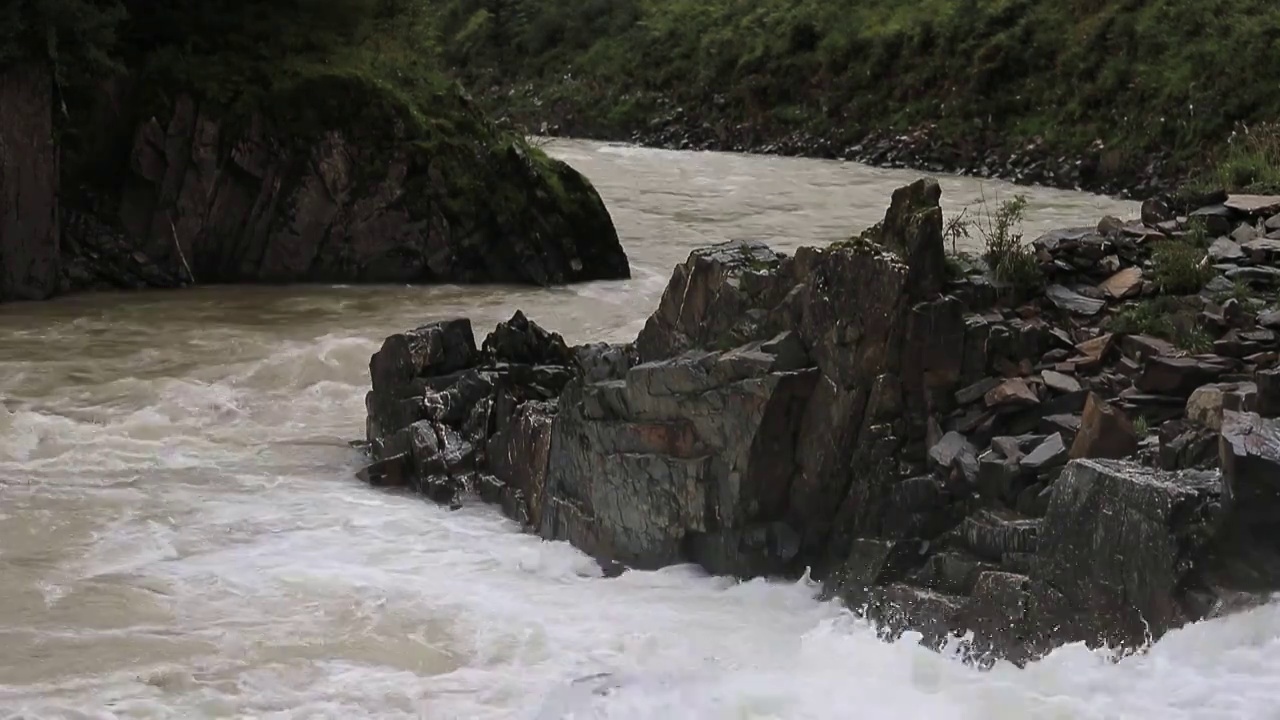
x=28, y=184
x=256, y=205
x=342, y=180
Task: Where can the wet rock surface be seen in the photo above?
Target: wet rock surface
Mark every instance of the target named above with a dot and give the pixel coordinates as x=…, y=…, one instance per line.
x=948, y=460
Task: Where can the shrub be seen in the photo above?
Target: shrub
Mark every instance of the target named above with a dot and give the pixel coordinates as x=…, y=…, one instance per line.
x=1012, y=263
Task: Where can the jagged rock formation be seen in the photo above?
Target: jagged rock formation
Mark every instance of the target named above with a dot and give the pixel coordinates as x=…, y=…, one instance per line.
x=338, y=180
x=859, y=414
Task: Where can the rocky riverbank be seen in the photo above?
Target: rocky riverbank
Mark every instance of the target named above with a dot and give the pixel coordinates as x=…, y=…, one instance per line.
x=1073, y=442
x=676, y=127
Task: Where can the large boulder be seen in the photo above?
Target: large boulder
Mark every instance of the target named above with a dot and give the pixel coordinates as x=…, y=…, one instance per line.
x=1118, y=548
x=1249, y=453
x=687, y=458
x=337, y=179
x=717, y=299
x=832, y=412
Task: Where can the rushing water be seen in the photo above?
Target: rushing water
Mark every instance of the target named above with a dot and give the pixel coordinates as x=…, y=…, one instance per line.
x=181, y=535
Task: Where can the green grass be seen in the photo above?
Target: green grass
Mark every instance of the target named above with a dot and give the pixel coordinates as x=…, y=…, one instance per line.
x=1124, y=78
x=1141, y=426
x=1251, y=161
x=1010, y=260
x=1178, y=267
x=1163, y=317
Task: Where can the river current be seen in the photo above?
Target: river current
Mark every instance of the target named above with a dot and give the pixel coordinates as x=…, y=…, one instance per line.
x=181, y=535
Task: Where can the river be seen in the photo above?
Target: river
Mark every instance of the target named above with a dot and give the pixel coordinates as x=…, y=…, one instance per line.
x=181, y=535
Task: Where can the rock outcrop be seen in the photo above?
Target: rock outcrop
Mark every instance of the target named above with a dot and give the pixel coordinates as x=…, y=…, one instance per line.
x=334, y=179
x=947, y=465
x=28, y=184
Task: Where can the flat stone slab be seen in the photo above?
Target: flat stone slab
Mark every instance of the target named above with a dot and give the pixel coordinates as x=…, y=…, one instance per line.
x=1254, y=204
x=1072, y=301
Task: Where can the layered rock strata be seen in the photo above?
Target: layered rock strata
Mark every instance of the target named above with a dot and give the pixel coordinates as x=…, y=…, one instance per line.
x=947, y=465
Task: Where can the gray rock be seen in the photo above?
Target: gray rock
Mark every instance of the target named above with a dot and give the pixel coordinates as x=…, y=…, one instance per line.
x=1182, y=447
x=1180, y=376
x=1060, y=382
x=1064, y=424
x=1049, y=454
x=1244, y=233
x=523, y=342
x=912, y=229
x=976, y=391
x=952, y=572
x=1010, y=448
x=1110, y=225
x=1215, y=218
x=1260, y=275
x=628, y=472
x=1261, y=249
x=998, y=476
x=1249, y=453
x=1257, y=205
x=709, y=300
x=953, y=448
x=599, y=362
x=1099, y=506
x=1225, y=250
x=434, y=349
x=1073, y=302
x=1219, y=285
x=990, y=535
x=1055, y=239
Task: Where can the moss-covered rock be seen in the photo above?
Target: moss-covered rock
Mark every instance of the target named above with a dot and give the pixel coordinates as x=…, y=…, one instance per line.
x=259, y=141
x=337, y=176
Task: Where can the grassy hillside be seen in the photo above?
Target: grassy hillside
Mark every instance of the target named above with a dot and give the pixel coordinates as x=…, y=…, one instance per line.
x=1117, y=81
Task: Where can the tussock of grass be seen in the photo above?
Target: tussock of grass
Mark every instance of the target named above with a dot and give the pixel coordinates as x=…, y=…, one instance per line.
x=1165, y=318
x=1010, y=261
x=1178, y=267
x=1251, y=162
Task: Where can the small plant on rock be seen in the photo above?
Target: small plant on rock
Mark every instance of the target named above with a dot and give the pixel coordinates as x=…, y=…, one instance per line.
x=1178, y=267
x=1011, y=262
x=1197, y=234
x=1141, y=427
x=1239, y=291
x=1163, y=317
